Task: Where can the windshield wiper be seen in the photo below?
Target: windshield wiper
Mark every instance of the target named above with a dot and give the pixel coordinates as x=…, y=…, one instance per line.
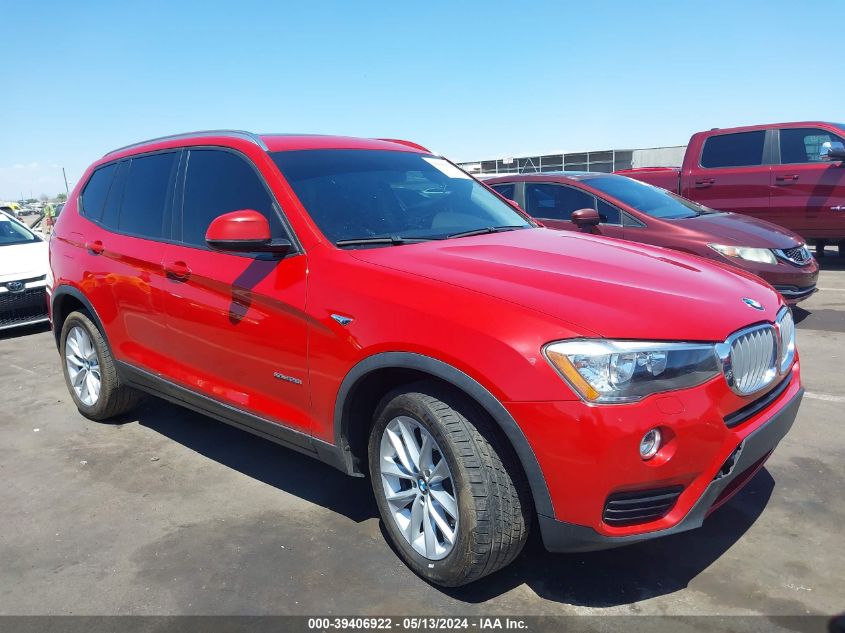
x=393, y=240
x=489, y=229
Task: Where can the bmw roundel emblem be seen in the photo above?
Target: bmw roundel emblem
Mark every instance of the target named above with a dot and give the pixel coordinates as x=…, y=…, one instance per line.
x=753, y=303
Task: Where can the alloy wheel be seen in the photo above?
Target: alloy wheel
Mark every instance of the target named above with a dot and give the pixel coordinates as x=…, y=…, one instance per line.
x=83, y=366
x=418, y=487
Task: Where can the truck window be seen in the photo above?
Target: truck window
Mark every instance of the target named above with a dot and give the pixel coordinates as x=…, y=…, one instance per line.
x=803, y=145
x=743, y=149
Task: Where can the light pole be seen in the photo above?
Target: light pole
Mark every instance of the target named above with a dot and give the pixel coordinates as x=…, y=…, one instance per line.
x=67, y=190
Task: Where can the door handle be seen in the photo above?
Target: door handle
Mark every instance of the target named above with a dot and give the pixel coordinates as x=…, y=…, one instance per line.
x=95, y=248
x=838, y=207
x=787, y=178
x=178, y=271
x=701, y=183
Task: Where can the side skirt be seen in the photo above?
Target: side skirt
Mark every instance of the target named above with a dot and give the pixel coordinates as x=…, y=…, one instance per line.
x=289, y=438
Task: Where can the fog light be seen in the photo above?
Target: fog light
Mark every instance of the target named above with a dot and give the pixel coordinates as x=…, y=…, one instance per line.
x=650, y=444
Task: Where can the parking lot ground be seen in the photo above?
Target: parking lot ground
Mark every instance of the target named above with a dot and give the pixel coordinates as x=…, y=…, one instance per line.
x=169, y=512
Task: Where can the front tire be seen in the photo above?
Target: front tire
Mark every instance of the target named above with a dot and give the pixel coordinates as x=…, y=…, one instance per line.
x=452, y=496
x=90, y=373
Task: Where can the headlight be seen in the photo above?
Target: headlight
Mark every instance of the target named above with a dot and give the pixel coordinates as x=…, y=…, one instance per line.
x=762, y=255
x=626, y=371
x=786, y=325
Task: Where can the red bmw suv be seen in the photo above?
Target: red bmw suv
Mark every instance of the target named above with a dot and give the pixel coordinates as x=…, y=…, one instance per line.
x=370, y=304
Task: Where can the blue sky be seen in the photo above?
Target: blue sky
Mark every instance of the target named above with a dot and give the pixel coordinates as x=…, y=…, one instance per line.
x=469, y=79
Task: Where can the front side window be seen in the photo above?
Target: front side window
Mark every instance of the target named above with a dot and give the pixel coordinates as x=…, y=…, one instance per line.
x=645, y=198
x=804, y=145
x=95, y=192
x=743, y=149
x=12, y=232
x=508, y=190
x=391, y=196
x=218, y=182
x=556, y=202
x=145, y=195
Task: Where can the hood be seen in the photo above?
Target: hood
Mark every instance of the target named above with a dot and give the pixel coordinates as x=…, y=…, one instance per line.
x=602, y=286
x=22, y=261
x=739, y=230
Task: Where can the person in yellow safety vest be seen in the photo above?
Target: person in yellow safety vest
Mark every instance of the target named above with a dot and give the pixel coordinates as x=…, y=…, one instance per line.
x=48, y=218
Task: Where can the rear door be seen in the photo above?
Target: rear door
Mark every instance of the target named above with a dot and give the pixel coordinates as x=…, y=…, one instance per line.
x=554, y=203
x=237, y=321
x=808, y=193
x=124, y=254
x=733, y=173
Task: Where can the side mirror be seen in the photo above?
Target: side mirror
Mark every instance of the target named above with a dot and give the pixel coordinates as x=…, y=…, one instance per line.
x=832, y=150
x=585, y=218
x=244, y=231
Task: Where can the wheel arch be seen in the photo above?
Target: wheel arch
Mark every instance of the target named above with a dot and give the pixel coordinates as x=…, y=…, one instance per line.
x=376, y=375
x=66, y=299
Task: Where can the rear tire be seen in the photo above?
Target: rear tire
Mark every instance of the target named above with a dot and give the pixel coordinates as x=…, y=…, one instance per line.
x=490, y=522
x=90, y=372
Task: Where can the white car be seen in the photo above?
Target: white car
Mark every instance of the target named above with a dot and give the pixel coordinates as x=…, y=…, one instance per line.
x=23, y=275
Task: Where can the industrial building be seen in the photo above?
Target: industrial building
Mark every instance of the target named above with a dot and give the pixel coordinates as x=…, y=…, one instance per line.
x=603, y=161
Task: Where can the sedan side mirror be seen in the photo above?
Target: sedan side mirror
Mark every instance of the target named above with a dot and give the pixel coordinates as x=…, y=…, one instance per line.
x=245, y=231
x=832, y=150
x=585, y=219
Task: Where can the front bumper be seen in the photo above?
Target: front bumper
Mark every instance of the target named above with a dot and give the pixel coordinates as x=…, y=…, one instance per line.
x=560, y=536
x=795, y=294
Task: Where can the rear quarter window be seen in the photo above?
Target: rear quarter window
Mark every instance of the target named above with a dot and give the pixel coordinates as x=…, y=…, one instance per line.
x=743, y=149
x=95, y=192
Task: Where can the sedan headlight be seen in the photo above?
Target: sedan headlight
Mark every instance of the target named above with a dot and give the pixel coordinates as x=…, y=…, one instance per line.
x=761, y=255
x=625, y=371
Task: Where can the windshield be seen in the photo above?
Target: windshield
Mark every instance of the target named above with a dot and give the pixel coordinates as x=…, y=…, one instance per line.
x=14, y=233
x=648, y=199
x=356, y=195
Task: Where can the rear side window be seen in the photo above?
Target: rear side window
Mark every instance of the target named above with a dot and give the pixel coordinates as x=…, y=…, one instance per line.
x=743, y=149
x=555, y=202
x=145, y=195
x=507, y=190
x=804, y=145
x=218, y=182
x=95, y=192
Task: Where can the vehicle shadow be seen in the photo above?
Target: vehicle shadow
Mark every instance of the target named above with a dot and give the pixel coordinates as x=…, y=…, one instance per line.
x=628, y=574
x=26, y=330
x=596, y=579
x=260, y=459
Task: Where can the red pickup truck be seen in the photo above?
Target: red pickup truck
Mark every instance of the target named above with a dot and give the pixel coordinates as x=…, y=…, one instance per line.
x=792, y=174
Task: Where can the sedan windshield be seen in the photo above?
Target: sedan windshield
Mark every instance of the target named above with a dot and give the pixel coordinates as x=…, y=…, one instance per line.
x=372, y=198
x=648, y=199
x=12, y=232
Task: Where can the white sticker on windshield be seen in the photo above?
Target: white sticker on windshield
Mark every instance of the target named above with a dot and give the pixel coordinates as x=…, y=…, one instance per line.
x=446, y=167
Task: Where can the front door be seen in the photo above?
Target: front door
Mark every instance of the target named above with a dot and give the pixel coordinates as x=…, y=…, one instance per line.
x=237, y=322
x=553, y=204
x=808, y=193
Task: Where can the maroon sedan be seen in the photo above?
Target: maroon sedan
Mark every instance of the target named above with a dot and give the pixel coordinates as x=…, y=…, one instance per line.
x=620, y=207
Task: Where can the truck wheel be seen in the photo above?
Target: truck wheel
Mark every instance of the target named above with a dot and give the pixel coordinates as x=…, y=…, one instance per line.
x=451, y=494
x=90, y=373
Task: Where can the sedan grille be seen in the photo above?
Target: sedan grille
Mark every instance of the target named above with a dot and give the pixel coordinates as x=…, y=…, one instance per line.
x=18, y=308
x=799, y=255
x=753, y=359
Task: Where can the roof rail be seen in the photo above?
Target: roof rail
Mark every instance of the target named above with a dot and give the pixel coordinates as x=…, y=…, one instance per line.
x=248, y=136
